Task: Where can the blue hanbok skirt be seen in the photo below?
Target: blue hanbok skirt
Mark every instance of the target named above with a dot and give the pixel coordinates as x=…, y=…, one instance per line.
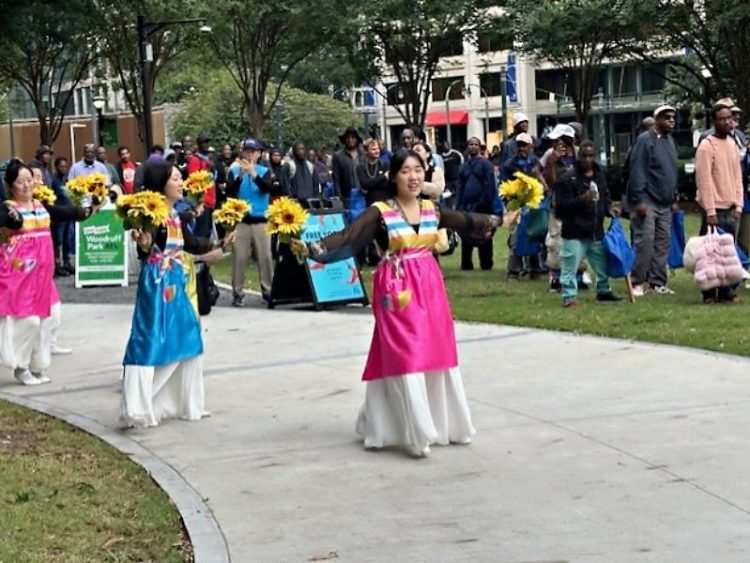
x=165, y=326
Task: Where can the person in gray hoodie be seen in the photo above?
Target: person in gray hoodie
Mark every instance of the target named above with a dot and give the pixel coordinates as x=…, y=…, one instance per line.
x=299, y=179
x=652, y=194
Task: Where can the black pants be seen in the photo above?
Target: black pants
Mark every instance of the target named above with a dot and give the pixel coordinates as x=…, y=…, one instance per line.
x=727, y=222
x=485, y=249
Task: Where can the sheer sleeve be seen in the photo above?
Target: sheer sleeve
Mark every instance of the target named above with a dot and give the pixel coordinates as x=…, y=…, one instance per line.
x=467, y=223
x=350, y=241
x=63, y=213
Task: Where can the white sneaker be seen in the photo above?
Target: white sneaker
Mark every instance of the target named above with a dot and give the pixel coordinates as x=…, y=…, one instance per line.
x=41, y=378
x=25, y=378
x=58, y=351
x=638, y=291
x=586, y=278
x=663, y=290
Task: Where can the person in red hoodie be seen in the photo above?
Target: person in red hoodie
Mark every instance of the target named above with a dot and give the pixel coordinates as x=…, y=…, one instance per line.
x=202, y=159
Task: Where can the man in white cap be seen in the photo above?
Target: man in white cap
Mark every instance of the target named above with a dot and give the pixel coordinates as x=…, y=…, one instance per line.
x=652, y=196
x=510, y=148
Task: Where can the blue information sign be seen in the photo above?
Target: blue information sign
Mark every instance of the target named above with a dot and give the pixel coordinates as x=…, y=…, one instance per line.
x=338, y=281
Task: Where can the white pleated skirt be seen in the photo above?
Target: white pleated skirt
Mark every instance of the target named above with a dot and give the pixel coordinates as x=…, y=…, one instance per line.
x=151, y=394
x=26, y=342
x=416, y=410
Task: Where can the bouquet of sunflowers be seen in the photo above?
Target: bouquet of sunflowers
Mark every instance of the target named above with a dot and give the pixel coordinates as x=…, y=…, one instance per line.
x=231, y=213
x=523, y=192
x=88, y=190
x=44, y=195
x=197, y=184
x=142, y=210
x=286, y=218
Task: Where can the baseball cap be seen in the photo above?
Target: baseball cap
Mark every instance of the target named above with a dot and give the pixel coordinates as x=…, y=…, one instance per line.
x=251, y=144
x=203, y=137
x=661, y=109
x=524, y=138
x=561, y=130
x=519, y=117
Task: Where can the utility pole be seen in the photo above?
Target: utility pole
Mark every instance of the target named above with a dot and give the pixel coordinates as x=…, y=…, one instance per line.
x=504, y=98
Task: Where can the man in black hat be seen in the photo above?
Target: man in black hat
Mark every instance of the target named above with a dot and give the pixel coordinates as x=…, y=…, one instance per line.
x=345, y=164
x=43, y=158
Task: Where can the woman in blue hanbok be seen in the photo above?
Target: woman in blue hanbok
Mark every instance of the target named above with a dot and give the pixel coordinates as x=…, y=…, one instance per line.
x=163, y=375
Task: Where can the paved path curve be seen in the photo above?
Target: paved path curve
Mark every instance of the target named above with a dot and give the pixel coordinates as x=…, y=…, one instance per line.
x=588, y=449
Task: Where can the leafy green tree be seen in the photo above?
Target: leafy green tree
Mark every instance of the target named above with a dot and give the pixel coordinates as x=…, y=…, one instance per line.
x=706, y=43
x=47, y=50
x=261, y=44
x=577, y=36
x=217, y=107
x=405, y=42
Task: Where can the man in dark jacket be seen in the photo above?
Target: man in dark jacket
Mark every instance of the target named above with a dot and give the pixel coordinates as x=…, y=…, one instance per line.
x=477, y=193
x=43, y=158
x=345, y=164
x=652, y=194
x=582, y=204
x=299, y=178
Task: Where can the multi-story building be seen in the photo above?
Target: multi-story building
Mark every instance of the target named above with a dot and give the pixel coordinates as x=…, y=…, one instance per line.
x=470, y=77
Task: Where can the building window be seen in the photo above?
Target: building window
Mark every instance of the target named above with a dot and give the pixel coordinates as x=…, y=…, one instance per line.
x=624, y=81
x=550, y=81
x=440, y=85
x=653, y=79
x=490, y=83
x=490, y=42
x=451, y=45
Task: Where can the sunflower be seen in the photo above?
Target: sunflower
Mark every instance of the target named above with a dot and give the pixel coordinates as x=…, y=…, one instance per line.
x=524, y=191
x=143, y=210
x=44, y=195
x=237, y=206
x=286, y=217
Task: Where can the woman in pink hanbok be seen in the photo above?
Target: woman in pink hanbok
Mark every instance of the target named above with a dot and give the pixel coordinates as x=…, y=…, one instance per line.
x=29, y=302
x=415, y=395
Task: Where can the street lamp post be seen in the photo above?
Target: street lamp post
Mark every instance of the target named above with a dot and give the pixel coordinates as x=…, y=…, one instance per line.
x=98, y=103
x=448, y=109
x=486, y=109
x=384, y=97
x=145, y=58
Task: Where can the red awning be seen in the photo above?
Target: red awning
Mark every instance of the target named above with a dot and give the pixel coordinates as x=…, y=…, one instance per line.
x=454, y=117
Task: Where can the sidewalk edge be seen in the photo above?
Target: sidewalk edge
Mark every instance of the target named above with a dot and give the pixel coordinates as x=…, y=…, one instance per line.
x=206, y=537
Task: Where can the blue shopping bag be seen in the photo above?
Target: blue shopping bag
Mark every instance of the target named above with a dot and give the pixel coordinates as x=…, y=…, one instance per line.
x=677, y=242
x=620, y=256
x=357, y=204
x=524, y=245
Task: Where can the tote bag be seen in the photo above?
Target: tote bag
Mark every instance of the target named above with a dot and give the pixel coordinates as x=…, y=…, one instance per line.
x=677, y=242
x=620, y=256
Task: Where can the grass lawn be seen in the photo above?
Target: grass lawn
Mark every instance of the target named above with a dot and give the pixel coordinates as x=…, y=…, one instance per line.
x=680, y=319
x=67, y=496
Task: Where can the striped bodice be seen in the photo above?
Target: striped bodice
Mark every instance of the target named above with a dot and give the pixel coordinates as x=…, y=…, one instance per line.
x=36, y=222
x=175, y=242
x=401, y=236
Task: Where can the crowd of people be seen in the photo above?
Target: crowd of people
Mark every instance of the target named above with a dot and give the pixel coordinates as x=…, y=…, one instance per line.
x=397, y=205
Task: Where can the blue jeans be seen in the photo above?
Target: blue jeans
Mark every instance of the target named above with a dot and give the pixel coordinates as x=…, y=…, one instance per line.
x=572, y=252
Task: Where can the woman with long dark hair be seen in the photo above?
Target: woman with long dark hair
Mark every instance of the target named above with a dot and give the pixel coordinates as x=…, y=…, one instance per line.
x=29, y=301
x=163, y=374
x=415, y=396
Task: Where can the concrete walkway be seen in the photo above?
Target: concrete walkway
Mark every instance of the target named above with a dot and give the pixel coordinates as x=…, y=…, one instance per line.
x=587, y=450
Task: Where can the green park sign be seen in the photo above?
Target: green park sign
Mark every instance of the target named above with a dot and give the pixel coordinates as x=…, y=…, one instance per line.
x=101, y=255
